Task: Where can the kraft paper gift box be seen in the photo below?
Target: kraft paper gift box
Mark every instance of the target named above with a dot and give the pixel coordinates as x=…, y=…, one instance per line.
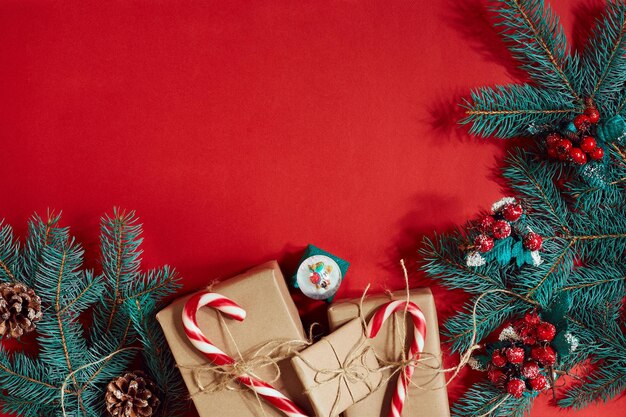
x=431, y=402
x=339, y=370
x=271, y=316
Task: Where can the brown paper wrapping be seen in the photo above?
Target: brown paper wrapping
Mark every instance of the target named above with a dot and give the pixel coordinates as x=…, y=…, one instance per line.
x=271, y=315
x=320, y=366
x=388, y=345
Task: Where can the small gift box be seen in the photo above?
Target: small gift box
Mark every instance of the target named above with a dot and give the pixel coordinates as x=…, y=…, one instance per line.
x=271, y=324
x=339, y=370
x=392, y=339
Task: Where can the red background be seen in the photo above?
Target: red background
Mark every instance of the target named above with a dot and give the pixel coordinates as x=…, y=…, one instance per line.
x=241, y=131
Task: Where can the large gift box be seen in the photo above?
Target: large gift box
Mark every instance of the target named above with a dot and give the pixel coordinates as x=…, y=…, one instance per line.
x=271, y=317
x=432, y=401
x=339, y=370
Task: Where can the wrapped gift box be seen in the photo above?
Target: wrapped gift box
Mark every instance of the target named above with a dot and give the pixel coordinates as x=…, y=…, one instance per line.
x=271, y=316
x=432, y=402
x=339, y=370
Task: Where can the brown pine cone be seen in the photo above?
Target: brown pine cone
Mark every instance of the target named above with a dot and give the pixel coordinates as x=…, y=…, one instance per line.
x=132, y=395
x=20, y=309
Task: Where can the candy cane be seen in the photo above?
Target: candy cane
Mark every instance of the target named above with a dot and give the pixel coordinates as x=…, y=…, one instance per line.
x=417, y=345
x=216, y=356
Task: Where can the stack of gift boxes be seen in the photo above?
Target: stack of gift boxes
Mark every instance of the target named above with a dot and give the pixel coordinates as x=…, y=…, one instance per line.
x=345, y=373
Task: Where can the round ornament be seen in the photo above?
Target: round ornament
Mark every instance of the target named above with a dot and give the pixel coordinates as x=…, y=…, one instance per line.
x=319, y=277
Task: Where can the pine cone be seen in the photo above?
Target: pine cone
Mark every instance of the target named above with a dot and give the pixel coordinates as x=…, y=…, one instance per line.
x=20, y=309
x=132, y=395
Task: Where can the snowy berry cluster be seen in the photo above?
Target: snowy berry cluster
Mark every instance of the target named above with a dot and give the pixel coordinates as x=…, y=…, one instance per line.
x=497, y=226
x=520, y=365
x=575, y=142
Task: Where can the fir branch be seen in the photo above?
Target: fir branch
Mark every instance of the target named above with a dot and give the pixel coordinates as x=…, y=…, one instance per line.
x=120, y=242
x=41, y=235
x=538, y=41
x=509, y=111
x=605, y=383
x=9, y=250
x=604, y=61
x=533, y=181
x=485, y=400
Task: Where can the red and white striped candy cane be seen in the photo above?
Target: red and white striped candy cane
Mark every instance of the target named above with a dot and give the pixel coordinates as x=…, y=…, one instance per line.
x=216, y=356
x=417, y=345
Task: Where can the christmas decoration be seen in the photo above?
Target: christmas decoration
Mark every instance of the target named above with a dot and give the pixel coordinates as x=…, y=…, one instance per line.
x=427, y=395
x=20, y=310
x=417, y=346
x=320, y=274
x=75, y=364
x=132, y=395
x=572, y=172
x=271, y=335
x=231, y=310
x=504, y=236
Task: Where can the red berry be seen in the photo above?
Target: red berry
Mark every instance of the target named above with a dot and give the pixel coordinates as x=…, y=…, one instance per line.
x=496, y=376
x=486, y=223
x=532, y=318
x=553, y=139
x=545, y=355
x=582, y=122
x=501, y=229
x=563, y=147
x=538, y=383
x=593, y=114
x=597, y=154
x=516, y=387
x=553, y=153
x=546, y=332
x=515, y=354
x=578, y=156
x=483, y=243
x=530, y=369
x=533, y=241
x=512, y=212
x=498, y=359
x=588, y=144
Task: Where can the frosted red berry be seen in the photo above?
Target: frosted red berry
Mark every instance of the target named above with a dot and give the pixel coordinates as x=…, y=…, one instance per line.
x=545, y=355
x=588, y=144
x=546, y=332
x=501, y=229
x=593, y=114
x=582, y=122
x=512, y=212
x=533, y=241
x=597, y=154
x=538, y=383
x=532, y=318
x=553, y=139
x=530, y=369
x=515, y=355
x=486, y=223
x=483, y=243
x=516, y=387
x=498, y=359
x=496, y=376
x=563, y=148
x=578, y=156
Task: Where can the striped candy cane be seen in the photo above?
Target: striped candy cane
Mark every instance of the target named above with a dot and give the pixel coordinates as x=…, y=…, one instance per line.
x=417, y=345
x=216, y=356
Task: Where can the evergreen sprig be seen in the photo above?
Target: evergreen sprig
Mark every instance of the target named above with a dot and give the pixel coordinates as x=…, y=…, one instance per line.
x=580, y=213
x=119, y=303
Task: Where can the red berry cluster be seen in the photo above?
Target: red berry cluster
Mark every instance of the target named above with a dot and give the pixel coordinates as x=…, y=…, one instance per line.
x=498, y=226
x=517, y=368
x=576, y=147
